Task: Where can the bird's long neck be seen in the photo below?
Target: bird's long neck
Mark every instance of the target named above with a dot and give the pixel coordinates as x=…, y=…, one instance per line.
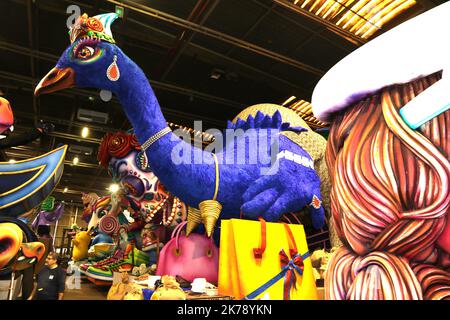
x=140, y=104
x=142, y=109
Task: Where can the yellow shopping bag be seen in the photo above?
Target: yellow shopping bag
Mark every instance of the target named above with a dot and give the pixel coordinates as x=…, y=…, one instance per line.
x=265, y=260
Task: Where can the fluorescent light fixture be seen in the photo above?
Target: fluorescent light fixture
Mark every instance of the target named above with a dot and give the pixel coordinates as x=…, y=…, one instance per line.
x=362, y=18
x=85, y=132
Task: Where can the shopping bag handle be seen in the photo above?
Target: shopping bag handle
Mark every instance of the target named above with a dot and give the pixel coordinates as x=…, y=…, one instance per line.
x=291, y=240
x=177, y=229
x=258, y=252
x=176, y=234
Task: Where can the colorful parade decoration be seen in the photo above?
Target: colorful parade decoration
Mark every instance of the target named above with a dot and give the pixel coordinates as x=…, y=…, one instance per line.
x=141, y=191
x=48, y=215
x=388, y=156
x=228, y=189
x=20, y=249
x=109, y=225
x=6, y=116
x=24, y=184
x=81, y=245
x=11, y=238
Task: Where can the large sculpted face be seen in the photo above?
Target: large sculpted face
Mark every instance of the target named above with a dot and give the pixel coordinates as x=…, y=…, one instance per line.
x=121, y=154
x=133, y=175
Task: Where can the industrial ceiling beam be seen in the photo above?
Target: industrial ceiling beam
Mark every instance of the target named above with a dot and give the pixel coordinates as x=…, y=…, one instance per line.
x=298, y=24
x=339, y=31
x=137, y=7
x=155, y=84
x=255, y=25
x=286, y=83
x=184, y=40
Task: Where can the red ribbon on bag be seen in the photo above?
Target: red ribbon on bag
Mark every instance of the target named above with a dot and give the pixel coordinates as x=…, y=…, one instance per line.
x=291, y=266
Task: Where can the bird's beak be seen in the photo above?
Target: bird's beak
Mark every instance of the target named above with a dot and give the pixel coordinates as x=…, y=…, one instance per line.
x=57, y=79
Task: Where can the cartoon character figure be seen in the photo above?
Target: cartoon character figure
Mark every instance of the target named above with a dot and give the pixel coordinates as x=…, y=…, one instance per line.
x=81, y=245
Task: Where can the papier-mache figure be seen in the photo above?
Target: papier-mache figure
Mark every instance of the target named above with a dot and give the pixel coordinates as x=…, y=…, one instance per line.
x=388, y=156
x=216, y=188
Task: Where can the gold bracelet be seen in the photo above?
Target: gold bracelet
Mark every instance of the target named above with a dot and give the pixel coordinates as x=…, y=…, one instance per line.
x=155, y=138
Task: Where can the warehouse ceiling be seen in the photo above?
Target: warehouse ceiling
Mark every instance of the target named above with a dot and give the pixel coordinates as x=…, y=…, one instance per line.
x=206, y=60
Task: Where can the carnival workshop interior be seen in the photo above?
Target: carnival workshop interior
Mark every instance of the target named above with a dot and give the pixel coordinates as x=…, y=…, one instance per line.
x=224, y=150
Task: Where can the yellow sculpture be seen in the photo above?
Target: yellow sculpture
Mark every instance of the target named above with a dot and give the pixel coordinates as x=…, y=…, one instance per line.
x=81, y=245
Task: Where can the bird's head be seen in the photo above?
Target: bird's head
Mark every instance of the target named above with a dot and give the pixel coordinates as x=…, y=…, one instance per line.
x=92, y=60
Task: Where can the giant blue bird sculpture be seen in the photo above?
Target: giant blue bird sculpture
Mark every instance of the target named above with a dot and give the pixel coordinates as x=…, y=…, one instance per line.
x=94, y=60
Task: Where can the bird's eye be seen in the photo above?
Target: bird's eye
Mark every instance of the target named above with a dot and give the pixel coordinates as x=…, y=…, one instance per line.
x=85, y=52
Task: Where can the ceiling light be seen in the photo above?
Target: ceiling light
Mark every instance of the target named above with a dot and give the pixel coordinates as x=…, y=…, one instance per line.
x=216, y=74
x=65, y=190
x=113, y=187
x=75, y=160
x=85, y=132
x=12, y=161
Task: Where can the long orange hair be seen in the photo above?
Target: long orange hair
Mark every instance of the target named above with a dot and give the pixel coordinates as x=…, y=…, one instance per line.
x=390, y=196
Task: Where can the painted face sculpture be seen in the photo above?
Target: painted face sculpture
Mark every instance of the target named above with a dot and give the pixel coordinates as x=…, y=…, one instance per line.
x=128, y=166
x=133, y=175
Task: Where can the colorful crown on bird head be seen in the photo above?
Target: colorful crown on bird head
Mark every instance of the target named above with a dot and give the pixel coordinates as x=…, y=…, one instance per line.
x=98, y=27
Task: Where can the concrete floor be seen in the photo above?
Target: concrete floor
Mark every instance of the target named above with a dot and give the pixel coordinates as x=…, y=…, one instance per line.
x=86, y=291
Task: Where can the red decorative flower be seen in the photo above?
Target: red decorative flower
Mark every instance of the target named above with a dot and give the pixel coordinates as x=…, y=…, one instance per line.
x=103, y=153
x=120, y=145
x=116, y=145
x=134, y=143
x=94, y=24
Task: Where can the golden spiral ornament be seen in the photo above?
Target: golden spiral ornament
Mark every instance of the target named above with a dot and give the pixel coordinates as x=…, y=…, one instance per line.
x=194, y=218
x=210, y=211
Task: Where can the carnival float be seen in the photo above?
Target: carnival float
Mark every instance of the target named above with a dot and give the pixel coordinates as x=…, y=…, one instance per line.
x=235, y=218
